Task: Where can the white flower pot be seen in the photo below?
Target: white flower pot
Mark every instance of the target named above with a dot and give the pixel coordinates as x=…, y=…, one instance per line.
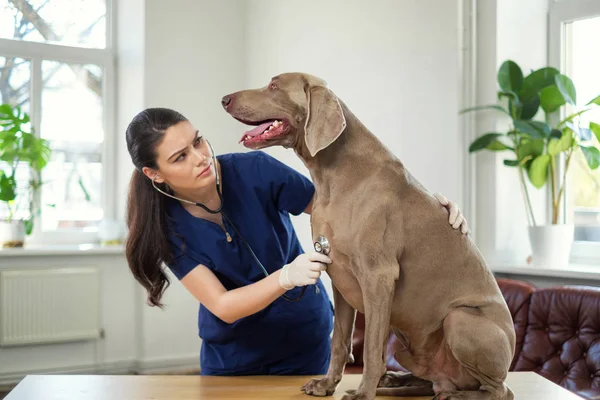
x=551, y=244
x=12, y=234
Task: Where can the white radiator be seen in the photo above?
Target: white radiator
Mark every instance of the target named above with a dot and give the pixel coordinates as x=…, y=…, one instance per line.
x=49, y=305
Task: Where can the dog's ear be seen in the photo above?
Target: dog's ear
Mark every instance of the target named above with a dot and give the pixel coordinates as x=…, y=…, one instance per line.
x=325, y=119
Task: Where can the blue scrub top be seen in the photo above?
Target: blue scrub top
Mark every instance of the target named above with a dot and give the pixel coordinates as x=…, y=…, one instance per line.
x=291, y=338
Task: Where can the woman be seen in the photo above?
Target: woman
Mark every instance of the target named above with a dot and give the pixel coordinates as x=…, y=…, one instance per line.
x=265, y=317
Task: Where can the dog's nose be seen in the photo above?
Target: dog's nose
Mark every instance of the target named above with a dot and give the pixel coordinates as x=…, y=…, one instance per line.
x=225, y=101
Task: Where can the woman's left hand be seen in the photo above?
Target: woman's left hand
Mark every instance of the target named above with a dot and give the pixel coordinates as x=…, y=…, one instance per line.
x=457, y=219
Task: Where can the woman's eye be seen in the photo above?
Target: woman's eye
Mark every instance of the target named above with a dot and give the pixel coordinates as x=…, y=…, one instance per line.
x=199, y=140
x=181, y=157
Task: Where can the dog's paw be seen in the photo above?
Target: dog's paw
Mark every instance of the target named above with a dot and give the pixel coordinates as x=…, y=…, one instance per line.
x=319, y=387
x=354, y=395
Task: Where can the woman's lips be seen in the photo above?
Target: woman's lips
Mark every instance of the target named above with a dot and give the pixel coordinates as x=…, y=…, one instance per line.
x=205, y=170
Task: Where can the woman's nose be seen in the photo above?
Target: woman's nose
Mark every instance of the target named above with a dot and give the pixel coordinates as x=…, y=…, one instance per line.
x=201, y=157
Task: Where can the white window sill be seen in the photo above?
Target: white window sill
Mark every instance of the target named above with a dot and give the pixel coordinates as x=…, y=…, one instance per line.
x=62, y=250
x=576, y=271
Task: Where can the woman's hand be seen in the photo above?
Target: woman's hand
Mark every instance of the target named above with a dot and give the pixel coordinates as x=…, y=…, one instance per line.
x=456, y=218
x=304, y=270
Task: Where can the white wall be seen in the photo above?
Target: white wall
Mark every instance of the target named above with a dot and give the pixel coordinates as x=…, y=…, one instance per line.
x=116, y=352
x=194, y=52
x=394, y=63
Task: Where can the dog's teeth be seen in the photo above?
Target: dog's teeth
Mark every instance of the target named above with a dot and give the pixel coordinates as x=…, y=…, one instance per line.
x=276, y=124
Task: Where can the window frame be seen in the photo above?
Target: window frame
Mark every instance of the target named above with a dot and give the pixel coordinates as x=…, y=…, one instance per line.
x=37, y=52
x=561, y=13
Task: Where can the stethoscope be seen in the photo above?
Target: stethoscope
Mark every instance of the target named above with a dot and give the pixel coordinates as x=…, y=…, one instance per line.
x=321, y=246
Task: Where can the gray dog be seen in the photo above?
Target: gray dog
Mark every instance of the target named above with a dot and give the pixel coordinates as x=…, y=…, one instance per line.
x=395, y=258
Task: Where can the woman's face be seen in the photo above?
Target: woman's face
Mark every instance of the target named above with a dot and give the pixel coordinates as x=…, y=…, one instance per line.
x=184, y=160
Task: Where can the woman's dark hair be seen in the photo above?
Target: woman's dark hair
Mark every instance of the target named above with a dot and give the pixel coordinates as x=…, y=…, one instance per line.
x=147, y=245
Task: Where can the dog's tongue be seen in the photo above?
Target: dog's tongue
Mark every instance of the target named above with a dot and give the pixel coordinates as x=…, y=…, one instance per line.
x=259, y=129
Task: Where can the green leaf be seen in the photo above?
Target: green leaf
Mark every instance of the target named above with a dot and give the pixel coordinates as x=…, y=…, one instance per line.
x=595, y=101
x=538, y=171
x=573, y=116
x=592, y=155
x=535, y=129
x=487, y=141
x=530, y=148
x=567, y=88
x=85, y=192
x=28, y=226
x=490, y=107
x=511, y=163
x=556, y=134
x=551, y=99
x=511, y=95
x=510, y=76
x=8, y=187
x=555, y=146
x=530, y=108
x=536, y=81
x=594, y=127
x=583, y=133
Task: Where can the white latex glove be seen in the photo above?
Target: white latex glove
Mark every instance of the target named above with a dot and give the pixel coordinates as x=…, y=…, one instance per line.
x=304, y=270
x=456, y=219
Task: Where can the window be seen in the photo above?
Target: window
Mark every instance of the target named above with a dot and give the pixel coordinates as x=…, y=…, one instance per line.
x=575, y=27
x=56, y=62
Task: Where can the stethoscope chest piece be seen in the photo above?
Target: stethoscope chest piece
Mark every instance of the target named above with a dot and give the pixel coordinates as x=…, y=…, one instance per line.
x=322, y=245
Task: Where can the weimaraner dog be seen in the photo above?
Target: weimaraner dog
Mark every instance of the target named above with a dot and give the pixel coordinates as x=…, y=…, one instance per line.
x=395, y=257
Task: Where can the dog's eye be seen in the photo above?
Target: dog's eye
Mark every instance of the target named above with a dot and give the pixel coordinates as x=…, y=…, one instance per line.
x=272, y=86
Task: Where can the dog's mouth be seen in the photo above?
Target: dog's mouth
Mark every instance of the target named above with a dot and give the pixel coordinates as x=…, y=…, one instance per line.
x=264, y=131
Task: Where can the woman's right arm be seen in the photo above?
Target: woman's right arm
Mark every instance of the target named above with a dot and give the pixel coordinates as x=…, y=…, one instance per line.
x=231, y=305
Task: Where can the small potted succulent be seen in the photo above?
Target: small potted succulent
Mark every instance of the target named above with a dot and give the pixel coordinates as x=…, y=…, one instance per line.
x=537, y=147
x=19, y=148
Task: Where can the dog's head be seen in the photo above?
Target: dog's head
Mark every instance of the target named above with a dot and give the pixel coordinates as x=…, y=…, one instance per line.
x=294, y=110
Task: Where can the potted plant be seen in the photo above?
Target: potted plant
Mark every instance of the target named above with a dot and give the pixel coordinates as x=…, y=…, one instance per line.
x=542, y=149
x=19, y=147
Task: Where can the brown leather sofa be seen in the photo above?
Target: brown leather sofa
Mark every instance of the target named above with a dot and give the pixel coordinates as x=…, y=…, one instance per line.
x=558, y=335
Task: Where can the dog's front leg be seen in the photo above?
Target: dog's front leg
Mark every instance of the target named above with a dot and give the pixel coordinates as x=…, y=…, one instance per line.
x=341, y=348
x=378, y=293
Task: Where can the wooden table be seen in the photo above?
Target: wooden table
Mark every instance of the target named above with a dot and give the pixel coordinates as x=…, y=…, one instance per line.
x=525, y=385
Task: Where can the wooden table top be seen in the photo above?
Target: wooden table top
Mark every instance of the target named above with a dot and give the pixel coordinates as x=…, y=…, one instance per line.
x=525, y=385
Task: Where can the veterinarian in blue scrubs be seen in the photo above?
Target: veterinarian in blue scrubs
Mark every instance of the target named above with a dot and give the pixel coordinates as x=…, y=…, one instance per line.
x=246, y=325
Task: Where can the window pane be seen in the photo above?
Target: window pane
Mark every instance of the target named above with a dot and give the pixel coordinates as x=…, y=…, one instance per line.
x=72, y=120
x=15, y=79
x=69, y=22
x=583, y=64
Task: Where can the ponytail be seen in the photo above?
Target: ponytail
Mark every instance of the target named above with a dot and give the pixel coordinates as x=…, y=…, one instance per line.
x=147, y=245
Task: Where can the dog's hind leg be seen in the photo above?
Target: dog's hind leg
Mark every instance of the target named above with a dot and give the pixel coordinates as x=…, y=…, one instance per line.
x=341, y=348
x=484, y=351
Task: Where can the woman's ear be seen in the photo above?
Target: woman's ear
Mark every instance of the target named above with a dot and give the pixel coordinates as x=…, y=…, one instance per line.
x=152, y=173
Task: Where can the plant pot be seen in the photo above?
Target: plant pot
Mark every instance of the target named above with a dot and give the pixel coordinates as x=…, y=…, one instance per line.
x=12, y=233
x=551, y=244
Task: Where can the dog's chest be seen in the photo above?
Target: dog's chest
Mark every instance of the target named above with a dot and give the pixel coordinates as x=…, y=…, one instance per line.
x=343, y=269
